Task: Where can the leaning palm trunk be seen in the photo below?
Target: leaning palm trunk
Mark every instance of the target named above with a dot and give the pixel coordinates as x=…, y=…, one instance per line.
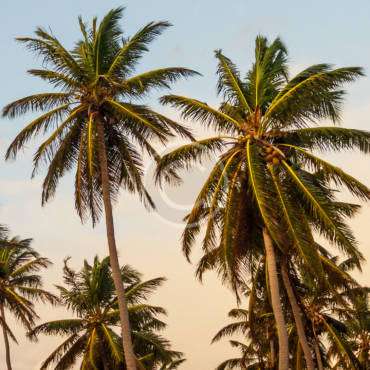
x=130, y=358
x=6, y=339
x=275, y=302
x=297, y=314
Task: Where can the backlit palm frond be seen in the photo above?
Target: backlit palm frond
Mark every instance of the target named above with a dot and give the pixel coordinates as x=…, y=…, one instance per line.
x=313, y=94
x=229, y=83
x=182, y=157
x=38, y=102
x=329, y=138
x=133, y=48
x=317, y=204
x=202, y=112
x=143, y=83
x=332, y=173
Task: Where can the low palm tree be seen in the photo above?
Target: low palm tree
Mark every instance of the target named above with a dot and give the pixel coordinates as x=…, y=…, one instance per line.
x=254, y=354
x=90, y=295
x=358, y=323
x=20, y=285
x=266, y=180
x=325, y=310
x=340, y=319
x=254, y=324
x=331, y=322
x=98, y=123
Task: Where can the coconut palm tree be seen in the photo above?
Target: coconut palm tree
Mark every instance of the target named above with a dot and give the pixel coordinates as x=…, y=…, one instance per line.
x=97, y=125
x=91, y=334
x=266, y=174
x=325, y=311
x=356, y=331
x=334, y=320
x=254, y=323
x=338, y=318
x=358, y=324
x=20, y=285
x=255, y=349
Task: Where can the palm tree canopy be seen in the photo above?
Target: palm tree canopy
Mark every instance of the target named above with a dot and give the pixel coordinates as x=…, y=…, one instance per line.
x=92, y=334
x=20, y=283
x=336, y=318
x=94, y=84
x=266, y=173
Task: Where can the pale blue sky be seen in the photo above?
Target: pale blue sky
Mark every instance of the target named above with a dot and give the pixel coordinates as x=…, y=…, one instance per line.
x=314, y=31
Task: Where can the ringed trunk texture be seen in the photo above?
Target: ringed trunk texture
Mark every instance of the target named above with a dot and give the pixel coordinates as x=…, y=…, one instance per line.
x=130, y=358
x=276, y=303
x=297, y=313
x=6, y=339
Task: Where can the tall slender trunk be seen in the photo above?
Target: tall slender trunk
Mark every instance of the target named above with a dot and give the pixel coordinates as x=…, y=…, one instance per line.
x=6, y=339
x=320, y=366
x=276, y=303
x=116, y=272
x=297, y=314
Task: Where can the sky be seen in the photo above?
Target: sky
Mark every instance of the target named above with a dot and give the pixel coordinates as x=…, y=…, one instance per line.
x=314, y=31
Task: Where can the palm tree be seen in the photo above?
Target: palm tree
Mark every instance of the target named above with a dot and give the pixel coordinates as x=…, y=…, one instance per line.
x=97, y=126
x=325, y=311
x=266, y=176
x=20, y=285
x=255, y=324
x=334, y=323
x=255, y=350
x=358, y=324
x=90, y=295
x=339, y=317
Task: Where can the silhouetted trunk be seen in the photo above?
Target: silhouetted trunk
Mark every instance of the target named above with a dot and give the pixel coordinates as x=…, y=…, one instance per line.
x=130, y=359
x=6, y=339
x=103, y=356
x=276, y=303
x=272, y=354
x=318, y=357
x=297, y=314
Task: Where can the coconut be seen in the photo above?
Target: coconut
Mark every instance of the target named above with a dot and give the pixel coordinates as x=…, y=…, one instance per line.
x=268, y=149
x=269, y=157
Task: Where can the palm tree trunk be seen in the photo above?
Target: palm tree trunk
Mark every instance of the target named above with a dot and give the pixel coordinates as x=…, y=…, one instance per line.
x=6, y=339
x=276, y=303
x=116, y=272
x=297, y=317
x=320, y=366
x=272, y=353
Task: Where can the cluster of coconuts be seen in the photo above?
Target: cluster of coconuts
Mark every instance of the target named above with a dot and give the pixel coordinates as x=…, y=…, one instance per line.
x=317, y=318
x=272, y=155
x=248, y=134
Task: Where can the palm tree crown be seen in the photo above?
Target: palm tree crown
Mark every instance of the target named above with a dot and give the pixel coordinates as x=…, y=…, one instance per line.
x=90, y=295
x=268, y=130
x=268, y=189
x=96, y=87
x=20, y=285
